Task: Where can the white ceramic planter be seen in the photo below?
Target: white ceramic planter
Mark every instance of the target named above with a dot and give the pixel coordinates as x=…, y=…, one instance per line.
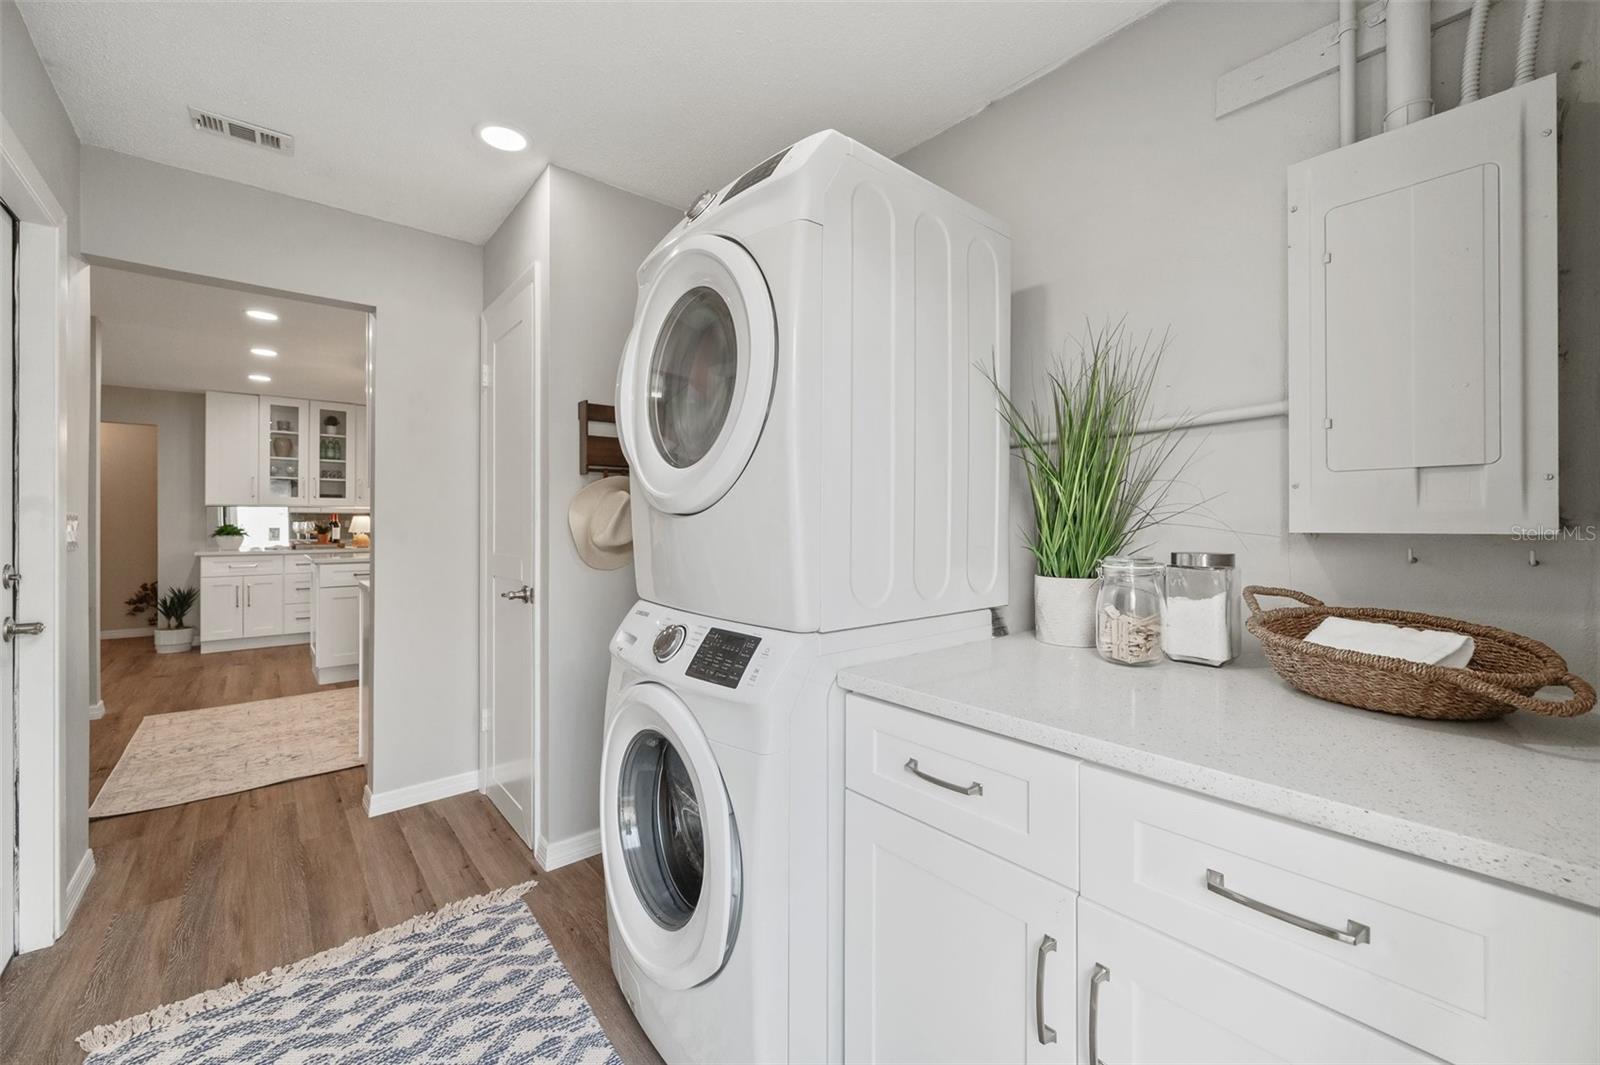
x=1063, y=610
x=228, y=543
x=172, y=641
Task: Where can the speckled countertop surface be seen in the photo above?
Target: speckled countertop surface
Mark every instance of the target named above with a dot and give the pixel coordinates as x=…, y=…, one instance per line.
x=295, y=551
x=1517, y=800
x=337, y=558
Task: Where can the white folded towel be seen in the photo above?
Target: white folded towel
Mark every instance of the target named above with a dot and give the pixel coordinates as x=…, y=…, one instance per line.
x=1413, y=645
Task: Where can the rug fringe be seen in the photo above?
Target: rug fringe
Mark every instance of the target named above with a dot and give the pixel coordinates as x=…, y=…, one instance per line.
x=110, y=1036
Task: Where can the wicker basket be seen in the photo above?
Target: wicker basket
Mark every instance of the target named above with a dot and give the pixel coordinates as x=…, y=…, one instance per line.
x=1505, y=672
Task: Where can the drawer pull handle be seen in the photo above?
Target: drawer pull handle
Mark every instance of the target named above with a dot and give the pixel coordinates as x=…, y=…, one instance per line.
x=1353, y=932
x=1102, y=975
x=1047, y=1034
x=974, y=788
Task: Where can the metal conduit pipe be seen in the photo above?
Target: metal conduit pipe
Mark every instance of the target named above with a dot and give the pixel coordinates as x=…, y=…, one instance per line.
x=1528, y=41
x=1408, y=63
x=1347, y=71
x=1472, y=58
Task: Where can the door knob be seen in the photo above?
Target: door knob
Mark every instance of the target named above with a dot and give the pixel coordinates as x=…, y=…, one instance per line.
x=10, y=576
x=521, y=595
x=21, y=628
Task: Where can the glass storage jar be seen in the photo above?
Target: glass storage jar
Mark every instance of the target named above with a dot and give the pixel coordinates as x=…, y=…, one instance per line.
x=1128, y=611
x=1202, y=620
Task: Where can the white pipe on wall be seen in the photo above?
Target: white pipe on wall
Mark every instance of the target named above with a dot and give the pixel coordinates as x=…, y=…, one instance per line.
x=1528, y=41
x=1407, y=63
x=1347, y=71
x=1472, y=58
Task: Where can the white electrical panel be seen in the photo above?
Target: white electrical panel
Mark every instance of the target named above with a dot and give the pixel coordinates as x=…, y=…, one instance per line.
x=1422, y=325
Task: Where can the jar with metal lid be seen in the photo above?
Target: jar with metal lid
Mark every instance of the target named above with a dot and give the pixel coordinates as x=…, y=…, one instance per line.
x=1202, y=618
x=1128, y=611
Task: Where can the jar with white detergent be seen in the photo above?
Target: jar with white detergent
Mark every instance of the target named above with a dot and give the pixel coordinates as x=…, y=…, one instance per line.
x=1201, y=620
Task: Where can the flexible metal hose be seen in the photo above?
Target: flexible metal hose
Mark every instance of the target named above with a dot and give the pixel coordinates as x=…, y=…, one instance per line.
x=1528, y=41
x=1472, y=59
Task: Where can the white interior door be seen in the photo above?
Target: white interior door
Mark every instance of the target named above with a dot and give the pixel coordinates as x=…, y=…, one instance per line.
x=511, y=524
x=8, y=529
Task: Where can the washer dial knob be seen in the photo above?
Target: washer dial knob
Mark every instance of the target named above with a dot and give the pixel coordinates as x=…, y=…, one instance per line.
x=668, y=641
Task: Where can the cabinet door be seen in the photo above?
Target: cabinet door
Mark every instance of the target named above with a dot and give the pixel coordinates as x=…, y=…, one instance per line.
x=221, y=609
x=338, y=626
x=331, y=460
x=233, y=448
x=950, y=951
x=263, y=606
x=285, y=464
x=361, y=451
x=1160, y=1001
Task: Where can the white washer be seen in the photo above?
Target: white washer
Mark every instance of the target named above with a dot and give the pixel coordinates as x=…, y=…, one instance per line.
x=721, y=814
x=803, y=398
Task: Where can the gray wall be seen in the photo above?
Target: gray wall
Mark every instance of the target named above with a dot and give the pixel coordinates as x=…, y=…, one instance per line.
x=1126, y=196
x=180, y=421
x=30, y=104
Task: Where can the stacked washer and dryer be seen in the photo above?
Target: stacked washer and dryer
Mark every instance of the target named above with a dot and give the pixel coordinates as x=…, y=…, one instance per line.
x=819, y=480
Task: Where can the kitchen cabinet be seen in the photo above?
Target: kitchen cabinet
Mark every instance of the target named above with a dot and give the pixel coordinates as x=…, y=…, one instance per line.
x=951, y=954
x=334, y=477
x=233, y=434
x=336, y=619
x=263, y=605
x=221, y=609
x=284, y=445
x=361, y=449
x=1150, y=999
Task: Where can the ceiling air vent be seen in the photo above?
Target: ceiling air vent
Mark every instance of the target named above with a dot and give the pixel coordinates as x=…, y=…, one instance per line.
x=248, y=132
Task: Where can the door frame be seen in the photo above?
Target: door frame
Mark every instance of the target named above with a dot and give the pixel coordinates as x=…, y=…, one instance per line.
x=534, y=277
x=45, y=898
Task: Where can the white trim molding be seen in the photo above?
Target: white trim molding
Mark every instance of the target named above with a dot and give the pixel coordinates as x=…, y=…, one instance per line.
x=387, y=802
x=77, y=887
x=97, y=710
x=127, y=634
x=566, y=851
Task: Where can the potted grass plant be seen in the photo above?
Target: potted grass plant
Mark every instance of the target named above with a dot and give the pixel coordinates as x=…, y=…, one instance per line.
x=1095, y=480
x=173, y=608
x=227, y=537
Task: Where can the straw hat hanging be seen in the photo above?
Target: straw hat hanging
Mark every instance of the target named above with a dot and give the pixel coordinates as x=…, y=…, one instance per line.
x=602, y=523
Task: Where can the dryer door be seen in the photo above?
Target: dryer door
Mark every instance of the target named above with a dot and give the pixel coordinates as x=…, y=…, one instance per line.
x=671, y=846
x=696, y=376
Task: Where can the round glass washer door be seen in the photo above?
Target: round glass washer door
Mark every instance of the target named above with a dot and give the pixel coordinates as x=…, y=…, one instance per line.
x=697, y=373
x=671, y=846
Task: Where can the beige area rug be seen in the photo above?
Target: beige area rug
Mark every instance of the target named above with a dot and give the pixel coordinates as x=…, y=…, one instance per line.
x=196, y=754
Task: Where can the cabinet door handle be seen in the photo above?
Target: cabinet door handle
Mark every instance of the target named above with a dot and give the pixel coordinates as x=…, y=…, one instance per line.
x=1353, y=933
x=1047, y=1034
x=1102, y=975
x=247, y=593
x=252, y=489
x=236, y=597
x=974, y=788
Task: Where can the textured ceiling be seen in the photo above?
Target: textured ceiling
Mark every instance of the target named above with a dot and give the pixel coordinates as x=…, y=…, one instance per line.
x=662, y=99
x=158, y=332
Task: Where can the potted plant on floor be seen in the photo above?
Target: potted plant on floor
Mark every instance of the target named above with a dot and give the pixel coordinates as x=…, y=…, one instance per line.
x=174, y=607
x=1096, y=482
x=227, y=537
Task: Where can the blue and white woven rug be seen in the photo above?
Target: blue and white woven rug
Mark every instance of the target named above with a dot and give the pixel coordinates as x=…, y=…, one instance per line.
x=476, y=981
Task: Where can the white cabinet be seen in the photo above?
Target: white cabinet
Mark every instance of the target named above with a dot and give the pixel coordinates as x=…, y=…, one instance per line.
x=284, y=437
x=361, y=455
x=221, y=609
x=1148, y=998
x=336, y=619
x=233, y=435
x=334, y=477
x=951, y=954
x=263, y=605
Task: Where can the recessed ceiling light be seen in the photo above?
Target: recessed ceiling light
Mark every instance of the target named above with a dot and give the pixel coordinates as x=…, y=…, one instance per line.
x=260, y=315
x=260, y=378
x=503, y=137
x=265, y=353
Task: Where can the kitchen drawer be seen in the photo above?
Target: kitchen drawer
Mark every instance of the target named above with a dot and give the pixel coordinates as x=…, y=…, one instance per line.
x=1009, y=798
x=300, y=564
x=240, y=565
x=296, y=585
x=1459, y=966
x=297, y=617
x=342, y=574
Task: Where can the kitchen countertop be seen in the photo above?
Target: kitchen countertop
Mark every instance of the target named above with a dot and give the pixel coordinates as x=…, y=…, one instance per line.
x=320, y=550
x=335, y=558
x=364, y=583
x=1516, y=800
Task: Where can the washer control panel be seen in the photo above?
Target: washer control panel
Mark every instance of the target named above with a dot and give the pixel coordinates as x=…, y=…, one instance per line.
x=722, y=657
x=668, y=642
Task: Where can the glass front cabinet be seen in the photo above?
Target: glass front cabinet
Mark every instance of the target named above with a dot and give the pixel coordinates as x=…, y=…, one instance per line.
x=334, y=454
x=284, y=468
x=313, y=455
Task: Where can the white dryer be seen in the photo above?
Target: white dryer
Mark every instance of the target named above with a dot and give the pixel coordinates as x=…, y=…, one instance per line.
x=803, y=398
x=721, y=814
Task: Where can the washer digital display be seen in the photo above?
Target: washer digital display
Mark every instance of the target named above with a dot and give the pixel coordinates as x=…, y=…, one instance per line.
x=722, y=657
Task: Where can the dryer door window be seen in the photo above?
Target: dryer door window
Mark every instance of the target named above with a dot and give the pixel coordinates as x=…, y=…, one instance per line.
x=692, y=377
x=697, y=374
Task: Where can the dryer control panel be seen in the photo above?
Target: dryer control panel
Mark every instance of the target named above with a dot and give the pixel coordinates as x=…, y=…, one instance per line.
x=740, y=661
x=723, y=657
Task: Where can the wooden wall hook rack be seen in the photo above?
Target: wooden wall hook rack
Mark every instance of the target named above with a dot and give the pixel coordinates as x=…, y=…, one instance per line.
x=599, y=452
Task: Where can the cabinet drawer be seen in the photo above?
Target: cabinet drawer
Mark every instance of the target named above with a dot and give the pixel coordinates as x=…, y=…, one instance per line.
x=300, y=564
x=1009, y=798
x=296, y=586
x=342, y=574
x=1453, y=964
x=241, y=565
x=297, y=617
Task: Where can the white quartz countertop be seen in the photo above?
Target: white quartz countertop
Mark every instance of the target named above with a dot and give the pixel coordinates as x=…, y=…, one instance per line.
x=313, y=551
x=1517, y=799
x=335, y=558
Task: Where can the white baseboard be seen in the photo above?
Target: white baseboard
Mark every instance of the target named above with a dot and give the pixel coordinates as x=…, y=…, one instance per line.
x=251, y=643
x=566, y=851
x=127, y=634
x=75, y=890
x=379, y=803
x=97, y=711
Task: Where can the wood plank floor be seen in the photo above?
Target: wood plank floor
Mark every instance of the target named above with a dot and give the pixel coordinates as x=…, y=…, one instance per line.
x=191, y=897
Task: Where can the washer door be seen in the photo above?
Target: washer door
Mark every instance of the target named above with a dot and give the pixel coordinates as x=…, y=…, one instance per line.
x=670, y=842
x=696, y=376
